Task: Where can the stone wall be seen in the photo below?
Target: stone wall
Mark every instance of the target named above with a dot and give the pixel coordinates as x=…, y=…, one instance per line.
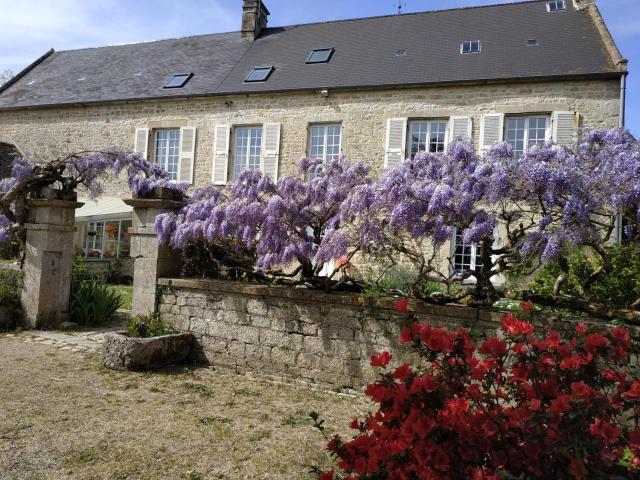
x=297, y=334
x=49, y=132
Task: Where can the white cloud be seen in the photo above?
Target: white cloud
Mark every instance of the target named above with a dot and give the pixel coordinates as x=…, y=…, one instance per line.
x=29, y=28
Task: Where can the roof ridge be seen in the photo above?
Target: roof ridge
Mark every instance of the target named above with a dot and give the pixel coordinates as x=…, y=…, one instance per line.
x=422, y=12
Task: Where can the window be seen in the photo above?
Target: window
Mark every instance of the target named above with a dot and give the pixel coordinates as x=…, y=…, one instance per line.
x=167, y=143
x=259, y=74
x=401, y=52
x=532, y=42
x=427, y=136
x=470, y=47
x=524, y=132
x=107, y=239
x=178, y=81
x=324, y=142
x=466, y=256
x=247, y=149
x=320, y=56
x=556, y=6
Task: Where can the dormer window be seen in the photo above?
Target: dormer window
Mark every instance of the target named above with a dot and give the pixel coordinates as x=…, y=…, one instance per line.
x=472, y=46
x=556, y=6
x=322, y=55
x=178, y=80
x=259, y=74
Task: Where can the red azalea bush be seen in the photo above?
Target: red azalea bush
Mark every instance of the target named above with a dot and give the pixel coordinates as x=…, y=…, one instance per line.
x=518, y=406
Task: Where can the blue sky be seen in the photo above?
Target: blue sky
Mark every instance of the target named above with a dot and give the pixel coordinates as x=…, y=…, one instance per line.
x=31, y=27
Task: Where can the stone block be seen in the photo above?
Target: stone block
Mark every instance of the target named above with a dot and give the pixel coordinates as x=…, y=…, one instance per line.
x=121, y=351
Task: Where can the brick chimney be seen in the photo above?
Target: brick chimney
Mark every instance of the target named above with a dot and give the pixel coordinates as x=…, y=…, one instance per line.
x=254, y=19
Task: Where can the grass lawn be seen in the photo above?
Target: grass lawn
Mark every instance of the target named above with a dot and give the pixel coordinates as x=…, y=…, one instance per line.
x=126, y=292
x=74, y=419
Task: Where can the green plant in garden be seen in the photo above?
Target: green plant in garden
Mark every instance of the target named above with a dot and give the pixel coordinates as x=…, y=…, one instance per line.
x=146, y=326
x=91, y=301
x=619, y=287
x=10, y=286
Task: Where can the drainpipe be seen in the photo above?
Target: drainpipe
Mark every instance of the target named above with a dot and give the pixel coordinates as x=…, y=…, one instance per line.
x=623, y=92
x=621, y=124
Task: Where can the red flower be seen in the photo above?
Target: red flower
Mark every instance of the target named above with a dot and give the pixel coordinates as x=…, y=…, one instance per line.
x=633, y=394
x=402, y=372
x=605, y=431
x=440, y=340
x=512, y=326
x=326, y=475
x=594, y=341
x=381, y=360
x=493, y=346
x=622, y=336
x=526, y=306
x=342, y=261
x=578, y=469
x=581, y=329
x=402, y=305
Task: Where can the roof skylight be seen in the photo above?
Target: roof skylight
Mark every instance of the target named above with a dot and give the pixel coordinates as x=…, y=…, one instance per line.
x=556, y=5
x=259, y=74
x=532, y=42
x=472, y=46
x=178, y=80
x=322, y=55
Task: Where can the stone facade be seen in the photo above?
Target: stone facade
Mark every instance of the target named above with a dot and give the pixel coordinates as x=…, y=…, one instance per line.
x=297, y=334
x=49, y=132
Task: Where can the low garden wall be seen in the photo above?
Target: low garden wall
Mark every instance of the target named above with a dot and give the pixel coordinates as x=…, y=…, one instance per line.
x=298, y=334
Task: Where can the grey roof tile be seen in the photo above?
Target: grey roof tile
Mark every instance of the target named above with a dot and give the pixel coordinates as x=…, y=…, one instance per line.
x=365, y=56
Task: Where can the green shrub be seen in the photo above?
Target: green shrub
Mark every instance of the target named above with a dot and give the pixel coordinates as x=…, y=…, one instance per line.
x=620, y=288
x=400, y=279
x=91, y=301
x=145, y=326
x=10, y=287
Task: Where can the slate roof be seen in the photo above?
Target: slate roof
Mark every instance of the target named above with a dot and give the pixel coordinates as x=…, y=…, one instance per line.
x=365, y=56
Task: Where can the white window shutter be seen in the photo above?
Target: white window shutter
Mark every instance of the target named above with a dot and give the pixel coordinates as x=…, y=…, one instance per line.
x=491, y=130
x=395, y=145
x=187, y=154
x=221, y=155
x=460, y=127
x=141, y=142
x=564, y=127
x=270, y=150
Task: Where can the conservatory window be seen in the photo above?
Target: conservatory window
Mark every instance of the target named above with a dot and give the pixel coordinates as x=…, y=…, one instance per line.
x=107, y=239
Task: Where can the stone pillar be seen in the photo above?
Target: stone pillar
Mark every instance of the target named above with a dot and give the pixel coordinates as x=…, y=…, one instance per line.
x=49, y=255
x=151, y=260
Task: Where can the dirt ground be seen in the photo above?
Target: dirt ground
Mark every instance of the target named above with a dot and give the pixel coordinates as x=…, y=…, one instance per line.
x=63, y=416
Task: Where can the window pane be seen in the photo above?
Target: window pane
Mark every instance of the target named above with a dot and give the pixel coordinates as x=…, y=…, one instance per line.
x=94, y=239
x=427, y=136
x=167, y=151
x=248, y=149
x=111, y=232
x=125, y=238
x=515, y=135
x=320, y=56
x=465, y=255
x=537, y=131
x=259, y=74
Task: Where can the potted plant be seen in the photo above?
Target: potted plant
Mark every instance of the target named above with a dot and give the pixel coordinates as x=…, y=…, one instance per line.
x=149, y=342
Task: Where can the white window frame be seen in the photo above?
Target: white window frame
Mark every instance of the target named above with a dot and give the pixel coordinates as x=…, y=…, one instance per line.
x=430, y=122
x=250, y=129
x=471, y=50
x=325, y=135
x=156, y=133
x=558, y=6
x=85, y=240
x=527, y=118
x=473, y=263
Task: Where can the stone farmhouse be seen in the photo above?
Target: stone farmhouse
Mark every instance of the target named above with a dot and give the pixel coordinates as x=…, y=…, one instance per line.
x=375, y=89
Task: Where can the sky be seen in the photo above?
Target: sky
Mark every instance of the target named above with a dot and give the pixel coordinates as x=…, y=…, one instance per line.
x=31, y=27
